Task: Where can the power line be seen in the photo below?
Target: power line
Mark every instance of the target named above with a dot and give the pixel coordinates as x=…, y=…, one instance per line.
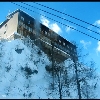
x=63, y=18
x=58, y=22
x=68, y=15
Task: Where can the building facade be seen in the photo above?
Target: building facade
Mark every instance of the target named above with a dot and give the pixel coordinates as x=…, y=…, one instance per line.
x=49, y=41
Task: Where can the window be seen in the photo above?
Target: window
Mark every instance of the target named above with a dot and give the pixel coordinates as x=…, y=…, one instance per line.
x=58, y=52
x=55, y=37
x=59, y=41
x=48, y=34
x=20, y=23
x=40, y=29
x=4, y=32
x=5, y=25
x=74, y=50
x=22, y=18
x=45, y=33
x=67, y=46
x=63, y=43
x=68, y=51
x=31, y=29
x=34, y=32
x=21, y=32
x=24, y=25
x=28, y=22
x=42, y=32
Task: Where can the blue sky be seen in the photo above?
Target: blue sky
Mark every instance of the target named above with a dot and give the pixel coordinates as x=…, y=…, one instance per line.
x=87, y=11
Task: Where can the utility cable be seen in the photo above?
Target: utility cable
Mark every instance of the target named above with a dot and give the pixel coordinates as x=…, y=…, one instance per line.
x=58, y=22
x=62, y=18
x=68, y=15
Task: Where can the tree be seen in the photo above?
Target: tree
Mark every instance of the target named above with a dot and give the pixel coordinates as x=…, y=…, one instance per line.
x=81, y=75
x=84, y=73
x=61, y=80
x=1, y=49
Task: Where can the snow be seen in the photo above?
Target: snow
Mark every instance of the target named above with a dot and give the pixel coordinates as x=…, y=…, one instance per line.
x=17, y=33
x=14, y=81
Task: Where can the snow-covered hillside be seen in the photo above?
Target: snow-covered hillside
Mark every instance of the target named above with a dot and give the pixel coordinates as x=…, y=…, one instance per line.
x=22, y=71
x=23, y=74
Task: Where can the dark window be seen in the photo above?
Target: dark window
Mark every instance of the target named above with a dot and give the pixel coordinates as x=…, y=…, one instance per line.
x=28, y=22
x=68, y=51
x=24, y=25
x=4, y=32
x=64, y=43
x=20, y=23
x=48, y=34
x=22, y=18
x=59, y=41
x=67, y=46
x=31, y=29
x=74, y=50
x=6, y=25
x=34, y=32
x=45, y=33
x=42, y=32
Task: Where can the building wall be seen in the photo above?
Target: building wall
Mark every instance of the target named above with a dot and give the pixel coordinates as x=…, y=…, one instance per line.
x=28, y=26
x=42, y=32
x=9, y=27
x=25, y=25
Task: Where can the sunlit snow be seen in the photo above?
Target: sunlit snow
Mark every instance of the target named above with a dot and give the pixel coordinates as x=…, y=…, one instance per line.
x=14, y=81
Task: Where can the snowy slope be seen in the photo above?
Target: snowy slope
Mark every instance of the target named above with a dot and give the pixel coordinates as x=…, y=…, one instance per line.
x=23, y=74
x=13, y=82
